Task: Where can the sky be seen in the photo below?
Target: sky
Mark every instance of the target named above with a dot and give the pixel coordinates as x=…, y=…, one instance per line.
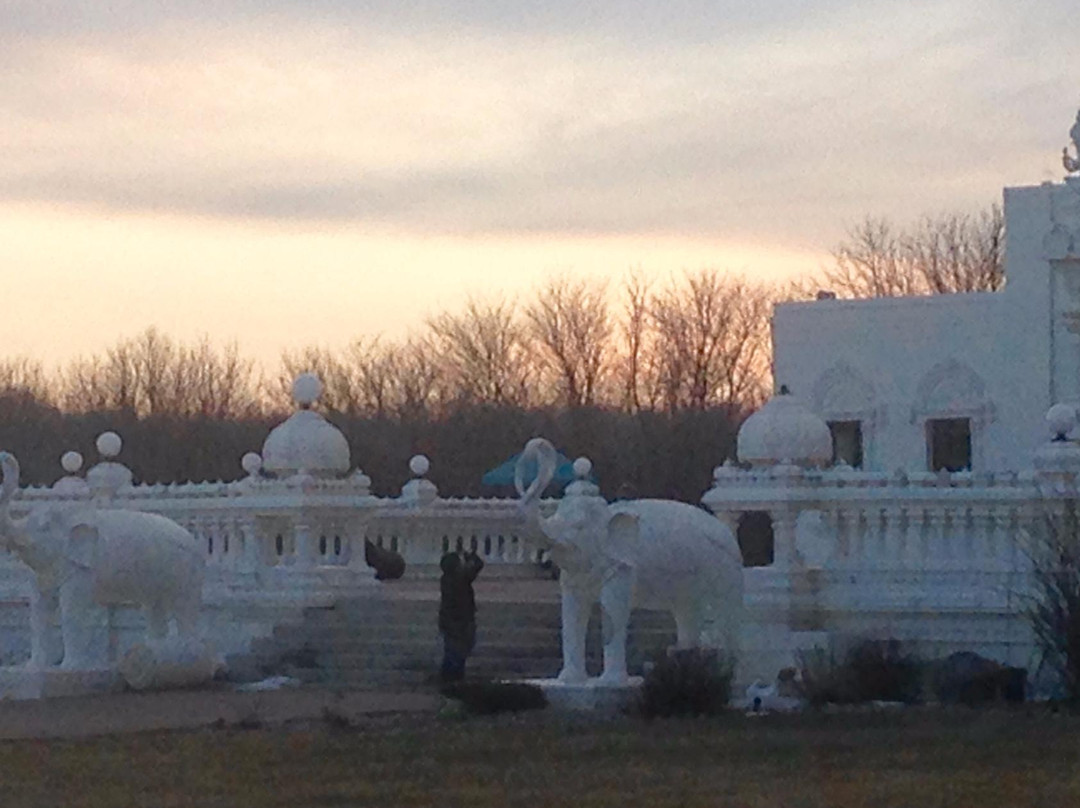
x=284, y=173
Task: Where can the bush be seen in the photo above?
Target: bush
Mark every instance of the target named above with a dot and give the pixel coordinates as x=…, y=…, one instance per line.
x=871, y=670
x=1054, y=603
x=967, y=678
x=488, y=698
x=695, y=681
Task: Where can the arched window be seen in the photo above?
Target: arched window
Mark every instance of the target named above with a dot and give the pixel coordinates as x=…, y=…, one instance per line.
x=848, y=404
x=952, y=405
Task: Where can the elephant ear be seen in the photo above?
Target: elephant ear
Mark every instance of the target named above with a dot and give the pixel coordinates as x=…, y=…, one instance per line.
x=621, y=539
x=82, y=542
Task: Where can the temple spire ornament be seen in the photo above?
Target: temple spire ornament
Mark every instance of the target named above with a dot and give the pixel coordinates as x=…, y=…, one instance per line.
x=1072, y=164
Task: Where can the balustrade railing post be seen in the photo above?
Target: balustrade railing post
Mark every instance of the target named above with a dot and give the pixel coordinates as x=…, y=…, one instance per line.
x=893, y=535
x=304, y=537
x=247, y=552
x=785, y=552
x=913, y=537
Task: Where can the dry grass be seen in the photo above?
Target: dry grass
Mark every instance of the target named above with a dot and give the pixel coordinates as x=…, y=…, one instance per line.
x=918, y=758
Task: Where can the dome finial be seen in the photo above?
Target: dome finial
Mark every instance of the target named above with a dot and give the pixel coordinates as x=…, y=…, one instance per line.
x=306, y=390
x=71, y=462
x=582, y=468
x=1061, y=419
x=109, y=444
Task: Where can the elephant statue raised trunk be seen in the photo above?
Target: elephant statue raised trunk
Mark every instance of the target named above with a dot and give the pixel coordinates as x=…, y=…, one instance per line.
x=653, y=553
x=84, y=558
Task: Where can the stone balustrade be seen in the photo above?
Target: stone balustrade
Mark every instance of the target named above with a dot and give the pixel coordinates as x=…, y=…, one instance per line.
x=252, y=527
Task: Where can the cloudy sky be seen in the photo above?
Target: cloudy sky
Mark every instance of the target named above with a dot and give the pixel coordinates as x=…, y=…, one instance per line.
x=287, y=173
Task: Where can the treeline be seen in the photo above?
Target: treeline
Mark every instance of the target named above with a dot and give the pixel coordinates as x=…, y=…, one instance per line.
x=648, y=380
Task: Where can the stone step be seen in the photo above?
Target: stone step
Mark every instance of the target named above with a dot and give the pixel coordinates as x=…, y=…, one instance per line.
x=362, y=643
x=389, y=616
x=288, y=647
x=524, y=615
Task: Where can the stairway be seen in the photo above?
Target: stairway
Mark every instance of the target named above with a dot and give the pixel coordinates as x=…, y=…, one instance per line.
x=387, y=643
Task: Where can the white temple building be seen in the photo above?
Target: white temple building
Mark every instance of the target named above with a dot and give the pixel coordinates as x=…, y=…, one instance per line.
x=958, y=381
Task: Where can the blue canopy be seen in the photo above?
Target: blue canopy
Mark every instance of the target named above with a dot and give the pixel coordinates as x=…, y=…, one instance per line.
x=504, y=473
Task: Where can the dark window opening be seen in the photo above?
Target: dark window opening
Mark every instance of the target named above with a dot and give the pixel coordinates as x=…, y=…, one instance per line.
x=847, y=443
x=755, y=535
x=949, y=444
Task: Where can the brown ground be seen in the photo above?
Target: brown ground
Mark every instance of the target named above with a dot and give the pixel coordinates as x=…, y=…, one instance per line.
x=114, y=713
x=928, y=758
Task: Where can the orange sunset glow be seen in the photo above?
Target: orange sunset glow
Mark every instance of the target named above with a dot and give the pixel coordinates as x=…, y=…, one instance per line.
x=303, y=174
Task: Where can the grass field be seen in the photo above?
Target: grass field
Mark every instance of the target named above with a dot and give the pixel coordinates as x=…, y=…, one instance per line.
x=916, y=759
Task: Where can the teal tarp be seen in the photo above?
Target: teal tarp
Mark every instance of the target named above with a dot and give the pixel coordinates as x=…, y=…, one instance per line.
x=504, y=474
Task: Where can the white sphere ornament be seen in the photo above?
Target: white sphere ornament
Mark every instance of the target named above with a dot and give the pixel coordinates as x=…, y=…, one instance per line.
x=109, y=444
x=71, y=462
x=306, y=389
x=251, y=463
x=419, y=465
x=1061, y=418
x=582, y=467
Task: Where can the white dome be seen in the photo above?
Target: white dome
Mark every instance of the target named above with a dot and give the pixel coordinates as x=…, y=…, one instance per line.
x=784, y=430
x=306, y=441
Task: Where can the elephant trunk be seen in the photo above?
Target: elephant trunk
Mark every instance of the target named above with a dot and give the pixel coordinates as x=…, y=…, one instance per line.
x=543, y=454
x=9, y=467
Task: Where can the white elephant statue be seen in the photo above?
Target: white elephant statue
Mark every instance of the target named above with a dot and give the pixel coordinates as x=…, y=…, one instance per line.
x=653, y=553
x=84, y=558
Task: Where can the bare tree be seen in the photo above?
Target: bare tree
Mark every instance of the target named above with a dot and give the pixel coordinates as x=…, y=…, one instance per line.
x=569, y=322
x=25, y=376
x=949, y=253
x=635, y=332
x=214, y=384
x=420, y=385
x=153, y=356
x=711, y=338
x=483, y=351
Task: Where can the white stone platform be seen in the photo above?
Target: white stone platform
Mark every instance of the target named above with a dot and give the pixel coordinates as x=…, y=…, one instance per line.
x=23, y=683
x=591, y=695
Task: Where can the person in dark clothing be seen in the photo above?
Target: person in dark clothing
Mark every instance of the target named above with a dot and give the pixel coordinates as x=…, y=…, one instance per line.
x=457, y=611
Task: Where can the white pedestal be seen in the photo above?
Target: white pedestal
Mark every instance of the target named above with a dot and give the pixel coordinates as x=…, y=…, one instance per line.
x=592, y=694
x=46, y=683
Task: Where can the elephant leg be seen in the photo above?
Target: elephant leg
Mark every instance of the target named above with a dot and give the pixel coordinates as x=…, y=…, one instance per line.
x=42, y=608
x=157, y=620
x=187, y=618
x=82, y=623
x=687, y=624
x=576, y=605
x=615, y=605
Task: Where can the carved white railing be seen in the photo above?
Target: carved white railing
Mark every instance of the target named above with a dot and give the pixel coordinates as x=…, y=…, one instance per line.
x=248, y=527
x=866, y=520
